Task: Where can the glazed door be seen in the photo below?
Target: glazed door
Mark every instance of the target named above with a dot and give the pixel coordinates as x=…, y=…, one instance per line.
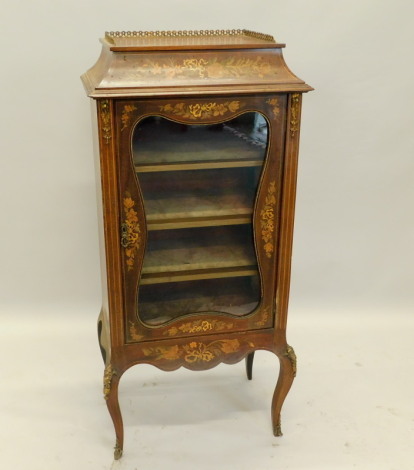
x=200, y=183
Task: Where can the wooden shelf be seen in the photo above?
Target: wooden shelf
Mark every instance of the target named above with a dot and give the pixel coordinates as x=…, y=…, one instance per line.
x=197, y=209
x=199, y=222
x=195, y=275
x=198, y=254
x=194, y=165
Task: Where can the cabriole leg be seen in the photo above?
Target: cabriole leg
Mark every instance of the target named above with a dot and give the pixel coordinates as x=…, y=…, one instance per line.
x=111, y=382
x=287, y=373
x=249, y=365
x=101, y=346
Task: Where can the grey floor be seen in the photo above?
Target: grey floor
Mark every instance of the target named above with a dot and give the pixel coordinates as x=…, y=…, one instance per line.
x=351, y=406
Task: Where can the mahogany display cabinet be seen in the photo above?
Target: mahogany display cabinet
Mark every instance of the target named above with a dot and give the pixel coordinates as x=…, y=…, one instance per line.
x=196, y=137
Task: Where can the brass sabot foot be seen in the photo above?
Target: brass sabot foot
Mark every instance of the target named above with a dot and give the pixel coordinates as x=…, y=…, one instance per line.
x=277, y=430
x=117, y=451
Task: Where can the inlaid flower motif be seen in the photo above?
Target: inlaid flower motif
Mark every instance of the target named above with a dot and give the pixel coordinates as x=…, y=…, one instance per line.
x=196, y=65
x=267, y=215
x=131, y=232
x=215, y=70
x=195, y=110
x=172, y=353
x=234, y=106
x=203, y=68
x=230, y=346
x=126, y=115
x=264, y=316
x=133, y=332
x=274, y=102
x=194, y=351
x=198, y=326
x=219, y=110
x=201, y=110
x=197, y=352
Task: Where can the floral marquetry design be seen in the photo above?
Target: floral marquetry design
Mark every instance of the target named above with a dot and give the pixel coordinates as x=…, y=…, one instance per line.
x=106, y=120
x=204, y=68
x=131, y=232
x=201, y=110
x=267, y=222
x=264, y=316
x=133, y=332
x=196, y=65
x=194, y=351
x=274, y=103
x=294, y=114
x=199, y=326
x=126, y=115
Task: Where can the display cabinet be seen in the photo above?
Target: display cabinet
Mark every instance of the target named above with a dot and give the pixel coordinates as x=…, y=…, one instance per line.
x=196, y=155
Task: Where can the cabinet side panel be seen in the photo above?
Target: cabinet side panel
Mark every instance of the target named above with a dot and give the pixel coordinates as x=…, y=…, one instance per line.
x=98, y=188
x=104, y=333
x=288, y=209
x=107, y=187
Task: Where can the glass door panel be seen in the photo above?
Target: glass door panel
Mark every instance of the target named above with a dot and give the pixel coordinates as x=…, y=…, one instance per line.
x=199, y=184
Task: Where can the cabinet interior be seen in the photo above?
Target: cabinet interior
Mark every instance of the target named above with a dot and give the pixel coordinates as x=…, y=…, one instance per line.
x=199, y=185
x=234, y=296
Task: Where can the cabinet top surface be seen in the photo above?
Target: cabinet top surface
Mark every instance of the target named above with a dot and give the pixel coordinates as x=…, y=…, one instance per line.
x=124, y=41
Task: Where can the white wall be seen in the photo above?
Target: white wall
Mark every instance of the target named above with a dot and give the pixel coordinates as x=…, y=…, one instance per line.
x=354, y=229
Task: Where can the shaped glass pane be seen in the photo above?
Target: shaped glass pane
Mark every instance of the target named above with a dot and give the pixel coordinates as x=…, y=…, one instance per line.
x=199, y=185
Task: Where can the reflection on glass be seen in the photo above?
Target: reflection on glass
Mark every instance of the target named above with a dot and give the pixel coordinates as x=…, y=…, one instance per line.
x=199, y=184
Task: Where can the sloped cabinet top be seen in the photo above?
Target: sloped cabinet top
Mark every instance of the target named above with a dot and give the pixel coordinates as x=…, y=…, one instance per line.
x=189, y=62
